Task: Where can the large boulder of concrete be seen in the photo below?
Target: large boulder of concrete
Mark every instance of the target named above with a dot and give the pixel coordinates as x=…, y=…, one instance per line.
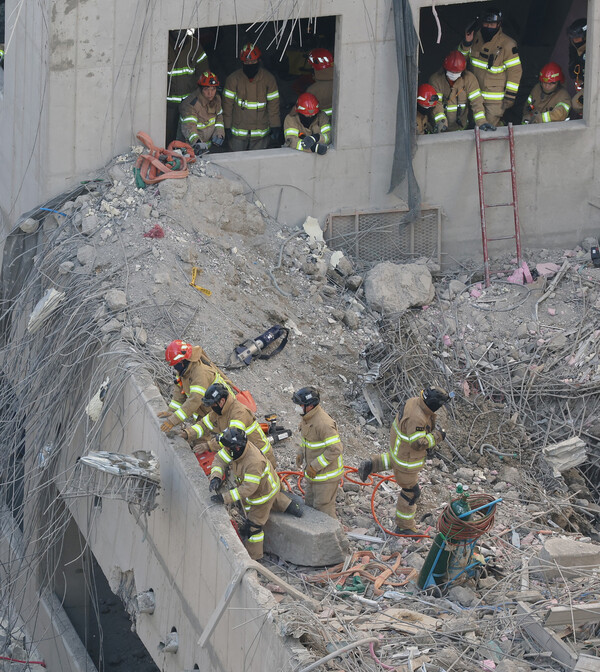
x=314, y=540
x=566, y=557
x=393, y=288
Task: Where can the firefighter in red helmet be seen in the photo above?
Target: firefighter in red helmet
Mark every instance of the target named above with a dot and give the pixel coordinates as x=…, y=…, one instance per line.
x=251, y=104
x=201, y=115
x=549, y=100
x=322, y=64
x=458, y=92
x=427, y=99
x=307, y=128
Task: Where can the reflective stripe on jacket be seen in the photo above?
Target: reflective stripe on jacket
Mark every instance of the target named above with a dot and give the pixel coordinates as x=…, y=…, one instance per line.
x=187, y=60
x=293, y=128
x=321, y=445
x=251, y=105
x=455, y=100
x=201, y=118
x=553, y=106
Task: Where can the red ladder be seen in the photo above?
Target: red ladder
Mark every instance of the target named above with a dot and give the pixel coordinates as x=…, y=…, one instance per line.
x=514, y=204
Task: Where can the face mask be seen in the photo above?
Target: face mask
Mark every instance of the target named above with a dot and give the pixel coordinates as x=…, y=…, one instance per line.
x=307, y=121
x=453, y=76
x=250, y=70
x=299, y=409
x=488, y=33
x=217, y=409
x=181, y=367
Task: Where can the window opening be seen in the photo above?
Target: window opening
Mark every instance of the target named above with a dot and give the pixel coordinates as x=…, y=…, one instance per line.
x=527, y=75
x=222, y=115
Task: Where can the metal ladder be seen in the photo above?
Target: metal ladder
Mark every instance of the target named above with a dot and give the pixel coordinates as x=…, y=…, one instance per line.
x=514, y=204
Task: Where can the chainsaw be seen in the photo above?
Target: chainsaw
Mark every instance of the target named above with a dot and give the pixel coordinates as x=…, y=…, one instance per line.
x=249, y=350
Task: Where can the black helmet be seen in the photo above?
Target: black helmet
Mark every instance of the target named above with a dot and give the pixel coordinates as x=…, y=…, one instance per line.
x=306, y=396
x=214, y=393
x=235, y=440
x=491, y=15
x=577, y=29
x=435, y=397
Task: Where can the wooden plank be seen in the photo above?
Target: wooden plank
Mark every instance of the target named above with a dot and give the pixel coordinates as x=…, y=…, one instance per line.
x=577, y=615
x=545, y=638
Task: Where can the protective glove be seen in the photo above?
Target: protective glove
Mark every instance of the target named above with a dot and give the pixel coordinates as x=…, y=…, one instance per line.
x=441, y=127
x=213, y=445
x=299, y=460
x=487, y=127
x=215, y=483
x=308, y=142
x=199, y=148
x=166, y=426
x=217, y=499
x=310, y=471
x=321, y=149
x=184, y=434
x=163, y=414
x=277, y=135
x=218, y=140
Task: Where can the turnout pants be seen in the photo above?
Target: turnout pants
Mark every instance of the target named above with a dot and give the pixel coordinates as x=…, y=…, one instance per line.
x=405, y=512
x=257, y=517
x=321, y=496
x=240, y=143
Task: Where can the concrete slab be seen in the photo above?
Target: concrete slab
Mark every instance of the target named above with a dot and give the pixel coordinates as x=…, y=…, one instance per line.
x=315, y=540
x=565, y=557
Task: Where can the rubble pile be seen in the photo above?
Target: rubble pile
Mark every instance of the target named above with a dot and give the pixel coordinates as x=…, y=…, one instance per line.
x=201, y=259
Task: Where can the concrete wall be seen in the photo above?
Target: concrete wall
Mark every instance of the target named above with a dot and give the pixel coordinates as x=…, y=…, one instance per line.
x=101, y=70
x=186, y=551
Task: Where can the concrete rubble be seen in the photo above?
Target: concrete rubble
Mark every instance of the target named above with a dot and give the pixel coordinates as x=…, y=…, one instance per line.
x=523, y=359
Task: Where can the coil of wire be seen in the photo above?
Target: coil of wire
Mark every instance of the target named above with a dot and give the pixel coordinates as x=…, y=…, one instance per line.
x=457, y=529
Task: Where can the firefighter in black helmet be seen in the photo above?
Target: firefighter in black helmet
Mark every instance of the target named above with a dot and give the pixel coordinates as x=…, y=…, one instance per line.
x=577, y=34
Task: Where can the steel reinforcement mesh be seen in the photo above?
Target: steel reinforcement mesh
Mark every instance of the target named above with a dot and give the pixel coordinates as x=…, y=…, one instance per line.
x=371, y=237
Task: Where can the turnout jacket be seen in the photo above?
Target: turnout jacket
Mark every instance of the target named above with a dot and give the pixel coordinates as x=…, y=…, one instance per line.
x=257, y=482
x=545, y=107
x=322, y=89
x=321, y=445
x=201, y=118
x=251, y=105
x=293, y=129
x=235, y=414
x=455, y=99
x=189, y=388
x=497, y=66
x=424, y=126
x=410, y=437
x=187, y=60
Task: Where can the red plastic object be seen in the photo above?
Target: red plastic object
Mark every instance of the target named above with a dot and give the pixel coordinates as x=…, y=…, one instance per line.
x=155, y=232
x=205, y=460
x=246, y=398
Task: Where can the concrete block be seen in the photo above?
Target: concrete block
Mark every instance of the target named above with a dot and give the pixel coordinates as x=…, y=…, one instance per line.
x=565, y=557
x=313, y=540
x=566, y=454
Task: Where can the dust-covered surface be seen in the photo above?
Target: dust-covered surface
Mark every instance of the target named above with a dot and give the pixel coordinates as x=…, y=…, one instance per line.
x=521, y=358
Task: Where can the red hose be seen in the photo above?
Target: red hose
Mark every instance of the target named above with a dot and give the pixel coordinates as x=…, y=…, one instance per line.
x=24, y=662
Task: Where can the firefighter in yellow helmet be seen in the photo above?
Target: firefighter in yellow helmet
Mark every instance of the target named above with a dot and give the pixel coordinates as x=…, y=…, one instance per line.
x=412, y=434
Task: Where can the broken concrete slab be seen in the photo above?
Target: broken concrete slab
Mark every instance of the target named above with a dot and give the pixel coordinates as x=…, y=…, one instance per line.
x=566, y=454
x=315, y=540
x=394, y=288
x=566, y=558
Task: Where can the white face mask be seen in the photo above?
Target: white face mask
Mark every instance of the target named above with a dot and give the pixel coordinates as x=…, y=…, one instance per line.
x=453, y=76
x=299, y=409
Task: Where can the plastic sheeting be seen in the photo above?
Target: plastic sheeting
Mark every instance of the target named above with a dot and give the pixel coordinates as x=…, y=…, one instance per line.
x=403, y=180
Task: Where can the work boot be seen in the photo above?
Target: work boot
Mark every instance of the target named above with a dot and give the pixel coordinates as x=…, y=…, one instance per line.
x=407, y=531
x=364, y=469
x=295, y=509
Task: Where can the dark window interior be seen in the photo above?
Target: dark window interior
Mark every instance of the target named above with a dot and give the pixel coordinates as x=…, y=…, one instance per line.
x=284, y=53
x=538, y=26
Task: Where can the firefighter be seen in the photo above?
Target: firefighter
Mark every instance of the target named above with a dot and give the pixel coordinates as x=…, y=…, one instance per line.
x=577, y=34
x=201, y=115
x=257, y=487
x=186, y=62
x=251, y=104
x=494, y=59
x=320, y=450
x=410, y=438
x=427, y=99
x=457, y=91
x=549, y=100
x=227, y=411
x=322, y=64
x=307, y=128
x=194, y=374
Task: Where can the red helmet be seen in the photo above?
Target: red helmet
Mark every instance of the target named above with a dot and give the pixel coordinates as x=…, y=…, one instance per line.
x=321, y=59
x=307, y=104
x=250, y=52
x=208, y=79
x=551, y=73
x=427, y=96
x=177, y=351
x=455, y=62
